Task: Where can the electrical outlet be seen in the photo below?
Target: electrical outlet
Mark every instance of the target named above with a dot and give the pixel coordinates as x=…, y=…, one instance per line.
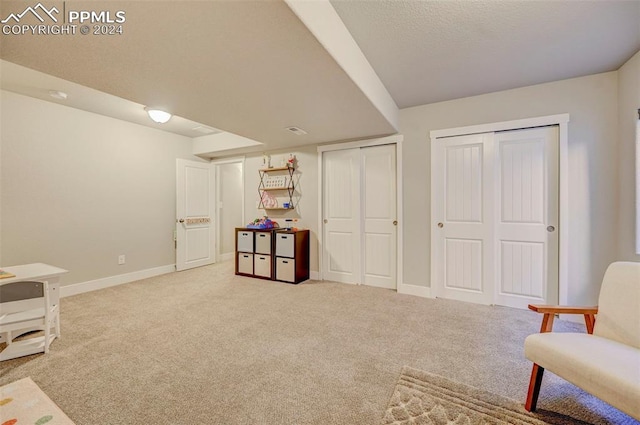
x=121, y=259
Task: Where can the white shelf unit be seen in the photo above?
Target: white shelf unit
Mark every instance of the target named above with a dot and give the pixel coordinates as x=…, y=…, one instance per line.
x=277, y=182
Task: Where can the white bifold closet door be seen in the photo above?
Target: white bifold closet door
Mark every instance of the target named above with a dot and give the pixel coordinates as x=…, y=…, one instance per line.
x=462, y=237
x=341, y=221
x=359, y=216
x=495, y=217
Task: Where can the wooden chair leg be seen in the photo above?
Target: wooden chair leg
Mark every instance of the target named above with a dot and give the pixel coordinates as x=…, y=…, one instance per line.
x=547, y=322
x=534, y=388
x=590, y=321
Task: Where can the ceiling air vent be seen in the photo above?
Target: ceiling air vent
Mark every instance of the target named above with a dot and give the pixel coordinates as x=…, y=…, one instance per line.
x=57, y=94
x=296, y=130
x=204, y=130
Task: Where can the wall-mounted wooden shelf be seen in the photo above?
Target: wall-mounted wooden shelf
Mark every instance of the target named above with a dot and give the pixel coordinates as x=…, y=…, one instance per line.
x=266, y=170
x=286, y=174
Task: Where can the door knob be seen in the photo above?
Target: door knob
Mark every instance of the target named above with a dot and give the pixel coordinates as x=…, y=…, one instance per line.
x=440, y=225
x=550, y=229
x=181, y=220
x=325, y=221
x=395, y=222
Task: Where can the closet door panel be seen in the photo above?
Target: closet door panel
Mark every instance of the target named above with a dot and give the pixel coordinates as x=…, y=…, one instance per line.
x=341, y=203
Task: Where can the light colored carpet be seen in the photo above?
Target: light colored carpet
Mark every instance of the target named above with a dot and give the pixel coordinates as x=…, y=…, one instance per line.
x=422, y=398
x=204, y=346
x=23, y=402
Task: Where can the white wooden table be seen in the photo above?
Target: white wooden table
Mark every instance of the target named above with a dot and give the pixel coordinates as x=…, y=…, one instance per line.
x=32, y=272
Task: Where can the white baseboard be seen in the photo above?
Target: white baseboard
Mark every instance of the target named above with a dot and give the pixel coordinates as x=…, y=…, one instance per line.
x=226, y=257
x=94, y=285
x=403, y=288
x=418, y=291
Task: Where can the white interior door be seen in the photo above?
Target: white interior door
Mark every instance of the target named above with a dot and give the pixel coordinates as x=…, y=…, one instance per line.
x=341, y=205
x=229, y=206
x=195, y=234
x=359, y=212
x=495, y=217
x=462, y=245
x=526, y=188
x=379, y=216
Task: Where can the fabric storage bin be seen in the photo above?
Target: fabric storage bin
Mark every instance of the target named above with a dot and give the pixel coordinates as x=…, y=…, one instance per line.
x=245, y=263
x=286, y=269
x=262, y=265
x=245, y=241
x=263, y=243
x=285, y=245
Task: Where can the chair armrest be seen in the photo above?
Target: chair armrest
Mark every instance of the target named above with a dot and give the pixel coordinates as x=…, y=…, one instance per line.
x=549, y=312
x=559, y=309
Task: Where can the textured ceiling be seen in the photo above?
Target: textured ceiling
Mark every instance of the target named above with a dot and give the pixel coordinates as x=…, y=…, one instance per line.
x=253, y=68
x=431, y=51
x=28, y=82
x=246, y=67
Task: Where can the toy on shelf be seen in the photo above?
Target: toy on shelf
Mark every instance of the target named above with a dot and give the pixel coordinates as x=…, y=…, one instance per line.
x=291, y=161
x=290, y=224
x=262, y=223
x=268, y=201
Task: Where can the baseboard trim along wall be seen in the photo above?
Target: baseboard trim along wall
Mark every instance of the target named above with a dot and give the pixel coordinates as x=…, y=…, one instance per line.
x=418, y=291
x=226, y=257
x=106, y=282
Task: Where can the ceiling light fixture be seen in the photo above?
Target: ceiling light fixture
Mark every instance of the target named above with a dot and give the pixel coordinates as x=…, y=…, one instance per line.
x=158, y=115
x=57, y=94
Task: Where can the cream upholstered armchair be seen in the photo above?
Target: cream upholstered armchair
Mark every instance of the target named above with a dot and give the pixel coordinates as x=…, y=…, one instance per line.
x=605, y=361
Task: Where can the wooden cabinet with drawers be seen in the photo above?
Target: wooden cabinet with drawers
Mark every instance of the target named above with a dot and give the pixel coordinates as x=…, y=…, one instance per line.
x=273, y=254
x=292, y=256
x=254, y=252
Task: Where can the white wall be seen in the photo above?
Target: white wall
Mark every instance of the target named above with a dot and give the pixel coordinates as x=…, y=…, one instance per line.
x=306, y=193
x=593, y=133
x=78, y=189
x=107, y=187
x=628, y=105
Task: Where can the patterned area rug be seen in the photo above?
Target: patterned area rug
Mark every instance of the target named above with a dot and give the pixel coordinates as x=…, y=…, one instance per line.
x=23, y=402
x=423, y=398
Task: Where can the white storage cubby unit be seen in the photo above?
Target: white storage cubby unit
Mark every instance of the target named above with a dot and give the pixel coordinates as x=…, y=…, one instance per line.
x=292, y=256
x=254, y=252
x=273, y=254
